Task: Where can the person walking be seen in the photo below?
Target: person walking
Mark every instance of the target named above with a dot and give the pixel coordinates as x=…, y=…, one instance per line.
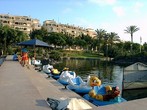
x=25, y=59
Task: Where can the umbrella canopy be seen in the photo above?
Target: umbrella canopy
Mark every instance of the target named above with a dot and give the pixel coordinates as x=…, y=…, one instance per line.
x=33, y=42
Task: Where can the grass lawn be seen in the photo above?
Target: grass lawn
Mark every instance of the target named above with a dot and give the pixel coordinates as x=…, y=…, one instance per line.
x=81, y=54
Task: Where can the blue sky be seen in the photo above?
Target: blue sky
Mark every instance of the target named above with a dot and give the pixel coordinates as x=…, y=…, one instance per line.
x=111, y=15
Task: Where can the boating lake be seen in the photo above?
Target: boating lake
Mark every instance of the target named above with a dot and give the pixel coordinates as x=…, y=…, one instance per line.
x=109, y=74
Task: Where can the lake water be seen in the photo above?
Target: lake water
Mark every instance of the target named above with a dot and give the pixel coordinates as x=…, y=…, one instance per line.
x=109, y=73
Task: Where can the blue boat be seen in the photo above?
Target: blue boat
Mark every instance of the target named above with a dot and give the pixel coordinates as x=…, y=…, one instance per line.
x=79, y=86
x=102, y=91
x=51, y=72
x=55, y=76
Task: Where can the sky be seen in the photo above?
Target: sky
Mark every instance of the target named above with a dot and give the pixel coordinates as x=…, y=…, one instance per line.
x=110, y=15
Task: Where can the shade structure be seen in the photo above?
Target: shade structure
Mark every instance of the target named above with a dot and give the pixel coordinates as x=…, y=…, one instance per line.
x=34, y=43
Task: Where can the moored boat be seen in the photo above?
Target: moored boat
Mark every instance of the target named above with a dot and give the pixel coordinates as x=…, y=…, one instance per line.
x=66, y=76
x=47, y=68
x=36, y=62
x=104, y=95
x=79, y=86
x=51, y=71
x=55, y=74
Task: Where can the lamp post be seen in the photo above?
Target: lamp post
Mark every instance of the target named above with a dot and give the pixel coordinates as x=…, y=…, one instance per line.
x=107, y=51
x=131, y=47
x=140, y=43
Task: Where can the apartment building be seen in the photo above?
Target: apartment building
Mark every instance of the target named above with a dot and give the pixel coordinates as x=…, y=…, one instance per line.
x=53, y=26
x=22, y=23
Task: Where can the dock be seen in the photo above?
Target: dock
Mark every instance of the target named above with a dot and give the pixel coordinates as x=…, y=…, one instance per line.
x=135, y=85
x=26, y=89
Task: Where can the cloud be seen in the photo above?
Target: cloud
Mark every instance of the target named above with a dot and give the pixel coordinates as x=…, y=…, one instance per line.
x=103, y=2
x=119, y=10
x=78, y=3
x=66, y=10
x=137, y=6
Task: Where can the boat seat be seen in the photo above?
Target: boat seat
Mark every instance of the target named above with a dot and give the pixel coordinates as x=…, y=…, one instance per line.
x=100, y=90
x=76, y=81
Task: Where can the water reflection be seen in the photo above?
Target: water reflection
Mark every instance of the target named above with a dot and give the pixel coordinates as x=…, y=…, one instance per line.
x=107, y=72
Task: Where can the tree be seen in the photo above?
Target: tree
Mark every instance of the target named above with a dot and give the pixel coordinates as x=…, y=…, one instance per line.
x=126, y=46
x=56, y=39
x=4, y=34
x=20, y=36
x=39, y=34
x=100, y=34
x=113, y=37
x=70, y=41
x=131, y=30
x=105, y=44
x=10, y=36
x=80, y=42
x=109, y=40
x=87, y=39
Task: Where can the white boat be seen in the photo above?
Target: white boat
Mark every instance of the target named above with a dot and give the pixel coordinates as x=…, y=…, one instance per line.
x=47, y=68
x=66, y=76
x=36, y=62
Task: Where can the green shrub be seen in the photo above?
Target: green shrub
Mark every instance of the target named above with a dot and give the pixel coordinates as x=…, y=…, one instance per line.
x=10, y=50
x=56, y=55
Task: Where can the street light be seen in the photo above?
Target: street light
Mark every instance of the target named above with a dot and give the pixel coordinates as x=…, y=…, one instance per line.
x=107, y=51
x=131, y=47
x=140, y=43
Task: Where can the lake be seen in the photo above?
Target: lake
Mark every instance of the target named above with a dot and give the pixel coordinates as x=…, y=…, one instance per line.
x=109, y=74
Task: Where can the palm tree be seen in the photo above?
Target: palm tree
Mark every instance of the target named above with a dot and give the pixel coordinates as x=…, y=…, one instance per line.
x=100, y=34
x=131, y=30
x=113, y=37
x=4, y=33
x=105, y=45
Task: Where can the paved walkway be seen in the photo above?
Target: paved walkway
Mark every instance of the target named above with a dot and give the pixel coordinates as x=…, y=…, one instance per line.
x=16, y=89
x=27, y=89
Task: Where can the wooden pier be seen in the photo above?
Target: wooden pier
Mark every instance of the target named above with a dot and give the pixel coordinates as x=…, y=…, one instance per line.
x=26, y=89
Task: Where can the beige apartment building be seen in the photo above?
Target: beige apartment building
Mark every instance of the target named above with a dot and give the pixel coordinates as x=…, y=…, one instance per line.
x=22, y=23
x=53, y=26
x=28, y=24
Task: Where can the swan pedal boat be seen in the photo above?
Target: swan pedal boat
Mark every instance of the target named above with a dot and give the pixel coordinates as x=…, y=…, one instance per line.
x=36, y=62
x=64, y=79
x=47, y=68
x=79, y=86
